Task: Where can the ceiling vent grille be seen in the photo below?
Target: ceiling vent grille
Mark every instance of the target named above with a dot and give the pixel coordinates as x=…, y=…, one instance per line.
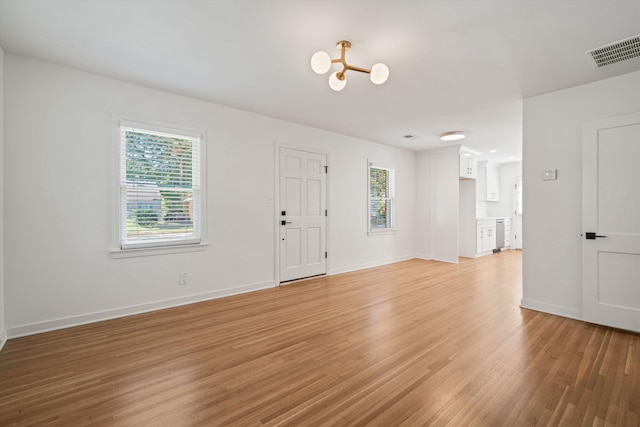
x=615, y=52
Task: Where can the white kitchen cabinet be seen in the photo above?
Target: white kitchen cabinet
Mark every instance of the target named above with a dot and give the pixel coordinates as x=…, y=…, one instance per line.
x=489, y=237
x=486, y=235
x=493, y=185
x=468, y=167
x=507, y=233
x=479, y=236
x=481, y=182
x=488, y=183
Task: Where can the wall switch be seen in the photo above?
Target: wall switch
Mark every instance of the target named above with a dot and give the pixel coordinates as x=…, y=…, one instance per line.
x=550, y=174
x=182, y=279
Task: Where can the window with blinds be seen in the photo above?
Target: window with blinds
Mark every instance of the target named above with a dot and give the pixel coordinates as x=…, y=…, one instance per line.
x=160, y=187
x=381, y=198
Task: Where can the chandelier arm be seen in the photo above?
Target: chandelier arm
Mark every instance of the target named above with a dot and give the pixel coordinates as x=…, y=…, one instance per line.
x=354, y=68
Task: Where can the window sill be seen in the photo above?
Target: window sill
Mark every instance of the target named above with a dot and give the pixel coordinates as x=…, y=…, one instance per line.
x=160, y=250
x=382, y=231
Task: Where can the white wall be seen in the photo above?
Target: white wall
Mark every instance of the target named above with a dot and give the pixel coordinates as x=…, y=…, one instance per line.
x=3, y=335
x=552, y=258
x=445, y=187
x=59, y=195
x=467, y=229
x=423, y=205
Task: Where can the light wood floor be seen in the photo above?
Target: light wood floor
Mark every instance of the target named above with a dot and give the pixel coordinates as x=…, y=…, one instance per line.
x=413, y=343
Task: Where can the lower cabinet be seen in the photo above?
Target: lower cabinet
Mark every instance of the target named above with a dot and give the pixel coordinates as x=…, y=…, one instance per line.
x=486, y=235
x=507, y=233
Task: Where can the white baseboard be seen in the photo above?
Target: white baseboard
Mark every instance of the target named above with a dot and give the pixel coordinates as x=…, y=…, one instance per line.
x=357, y=267
x=445, y=260
x=423, y=256
x=67, y=322
x=557, y=310
x=3, y=338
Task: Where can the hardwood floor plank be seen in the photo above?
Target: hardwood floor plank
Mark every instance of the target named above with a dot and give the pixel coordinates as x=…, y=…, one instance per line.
x=412, y=343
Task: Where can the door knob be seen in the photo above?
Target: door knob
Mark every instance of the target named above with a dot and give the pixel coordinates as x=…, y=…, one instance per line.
x=592, y=236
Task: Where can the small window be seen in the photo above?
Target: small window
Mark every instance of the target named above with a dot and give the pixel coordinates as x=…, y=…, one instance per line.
x=381, y=198
x=160, y=186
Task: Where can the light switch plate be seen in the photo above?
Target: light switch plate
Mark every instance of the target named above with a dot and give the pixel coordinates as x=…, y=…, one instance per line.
x=550, y=174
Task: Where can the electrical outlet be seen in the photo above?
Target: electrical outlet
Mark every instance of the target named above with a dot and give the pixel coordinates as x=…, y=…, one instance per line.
x=182, y=278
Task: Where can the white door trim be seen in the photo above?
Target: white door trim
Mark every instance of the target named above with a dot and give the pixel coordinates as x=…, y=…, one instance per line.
x=276, y=205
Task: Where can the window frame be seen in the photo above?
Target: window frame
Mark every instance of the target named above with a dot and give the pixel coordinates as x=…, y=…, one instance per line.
x=392, y=199
x=125, y=250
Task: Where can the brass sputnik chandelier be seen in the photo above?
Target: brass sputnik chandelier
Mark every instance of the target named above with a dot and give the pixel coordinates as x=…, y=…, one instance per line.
x=321, y=63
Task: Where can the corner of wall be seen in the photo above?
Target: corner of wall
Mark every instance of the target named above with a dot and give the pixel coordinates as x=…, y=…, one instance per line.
x=422, y=235
x=3, y=333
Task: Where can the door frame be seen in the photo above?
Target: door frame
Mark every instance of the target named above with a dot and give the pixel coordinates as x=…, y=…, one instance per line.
x=516, y=229
x=276, y=205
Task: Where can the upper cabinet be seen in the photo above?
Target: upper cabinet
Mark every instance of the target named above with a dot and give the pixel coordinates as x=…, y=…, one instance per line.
x=488, y=183
x=468, y=163
x=493, y=185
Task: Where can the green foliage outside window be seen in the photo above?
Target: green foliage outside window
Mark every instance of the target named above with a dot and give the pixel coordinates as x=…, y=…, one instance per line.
x=380, y=197
x=160, y=167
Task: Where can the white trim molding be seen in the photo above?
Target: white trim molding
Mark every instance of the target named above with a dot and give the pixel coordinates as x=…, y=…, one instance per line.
x=556, y=310
x=83, y=319
x=365, y=265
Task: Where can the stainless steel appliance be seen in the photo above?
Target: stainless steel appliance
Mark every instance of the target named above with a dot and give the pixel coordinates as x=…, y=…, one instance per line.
x=499, y=234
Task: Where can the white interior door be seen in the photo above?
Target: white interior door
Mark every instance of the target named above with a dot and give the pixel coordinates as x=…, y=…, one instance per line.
x=611, y=214
x=303, y=183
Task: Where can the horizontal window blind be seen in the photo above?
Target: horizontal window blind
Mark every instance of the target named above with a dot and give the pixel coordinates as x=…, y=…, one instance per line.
x=159, y=188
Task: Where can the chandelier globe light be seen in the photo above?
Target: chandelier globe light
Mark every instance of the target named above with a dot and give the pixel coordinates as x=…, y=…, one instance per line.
x=321, y=63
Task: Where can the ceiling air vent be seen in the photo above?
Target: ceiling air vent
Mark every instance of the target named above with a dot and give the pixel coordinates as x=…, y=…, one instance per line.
x=615, y=52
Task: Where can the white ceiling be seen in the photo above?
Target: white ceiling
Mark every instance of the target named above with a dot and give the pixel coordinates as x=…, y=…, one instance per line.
x=454, y=65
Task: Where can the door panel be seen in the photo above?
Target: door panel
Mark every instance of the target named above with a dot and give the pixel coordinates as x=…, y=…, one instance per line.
x=314, y=195
x=314, y=245
x=618, y=169
x=619, y=276
x=294, y=196
x=303, y=201
x=611, y=210
x=292, y=255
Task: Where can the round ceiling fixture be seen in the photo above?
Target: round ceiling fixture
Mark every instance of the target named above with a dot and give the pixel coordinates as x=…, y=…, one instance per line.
x=452, y=136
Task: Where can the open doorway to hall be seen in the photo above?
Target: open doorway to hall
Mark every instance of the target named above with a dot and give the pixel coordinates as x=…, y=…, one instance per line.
x=490, y=217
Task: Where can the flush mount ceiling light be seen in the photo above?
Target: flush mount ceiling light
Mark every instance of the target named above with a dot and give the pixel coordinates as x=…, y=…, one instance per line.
x=452, y=136
x=321, y=63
